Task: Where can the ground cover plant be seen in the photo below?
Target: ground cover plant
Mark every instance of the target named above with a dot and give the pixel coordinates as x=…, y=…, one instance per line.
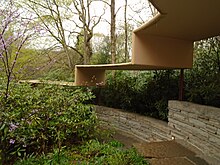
x=92, y=152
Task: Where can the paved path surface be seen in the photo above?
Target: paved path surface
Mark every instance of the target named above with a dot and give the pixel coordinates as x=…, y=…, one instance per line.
x=161, y=153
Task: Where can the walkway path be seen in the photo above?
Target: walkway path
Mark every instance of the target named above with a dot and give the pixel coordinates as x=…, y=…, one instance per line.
x=161, y=153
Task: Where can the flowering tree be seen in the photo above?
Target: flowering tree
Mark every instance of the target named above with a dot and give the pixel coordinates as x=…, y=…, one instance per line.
x=14, y=32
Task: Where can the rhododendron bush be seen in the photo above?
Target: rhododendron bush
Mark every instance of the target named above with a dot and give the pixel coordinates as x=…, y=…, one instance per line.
x=37, y=120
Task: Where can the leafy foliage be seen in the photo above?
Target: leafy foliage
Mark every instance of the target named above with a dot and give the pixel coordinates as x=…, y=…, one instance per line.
x=93, y=152
x=111, y=153
x=56, y=158
x=39, y=119
x=203, y=81
x=142, y=92
x=101, y=53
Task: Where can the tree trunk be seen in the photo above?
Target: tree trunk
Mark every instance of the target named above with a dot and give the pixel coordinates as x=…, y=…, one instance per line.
x=126, y=31
x=113, y=36
x=67, y=52
x=87, y=45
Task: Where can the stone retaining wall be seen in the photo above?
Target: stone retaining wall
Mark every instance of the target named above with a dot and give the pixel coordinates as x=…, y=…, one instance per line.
x=145, y=128
x=197, y=124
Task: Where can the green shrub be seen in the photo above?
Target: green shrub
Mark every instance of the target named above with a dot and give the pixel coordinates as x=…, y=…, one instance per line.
x=57, y=157
x=93, y=153
x=36, y=120
x=112, y=153
x=203, y=80
x=146, y=93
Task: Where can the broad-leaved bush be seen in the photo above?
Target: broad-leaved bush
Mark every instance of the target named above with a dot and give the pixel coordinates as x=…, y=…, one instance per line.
x=38, y=119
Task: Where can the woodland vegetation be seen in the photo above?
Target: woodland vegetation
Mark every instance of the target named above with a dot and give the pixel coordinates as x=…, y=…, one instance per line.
x=51, y=124
x=45, y=40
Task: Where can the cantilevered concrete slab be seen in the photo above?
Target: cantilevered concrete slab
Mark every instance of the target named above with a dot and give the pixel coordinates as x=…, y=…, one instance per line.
x=184, y=19
x=164, y=42
x=94, y=75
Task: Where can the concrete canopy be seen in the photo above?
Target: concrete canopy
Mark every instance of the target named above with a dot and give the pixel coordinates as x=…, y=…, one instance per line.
x=185, y=19
x=164, y=42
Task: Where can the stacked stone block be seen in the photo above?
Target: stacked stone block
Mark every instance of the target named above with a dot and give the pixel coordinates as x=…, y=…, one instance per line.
x=145, y=128
x=197, y=124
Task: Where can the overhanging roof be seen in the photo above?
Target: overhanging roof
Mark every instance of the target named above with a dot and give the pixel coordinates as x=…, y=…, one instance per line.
x=164, y=42
x=184, y=19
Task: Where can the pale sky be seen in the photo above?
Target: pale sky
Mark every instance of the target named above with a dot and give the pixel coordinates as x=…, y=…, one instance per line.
x=140, y=5
x=103, y=27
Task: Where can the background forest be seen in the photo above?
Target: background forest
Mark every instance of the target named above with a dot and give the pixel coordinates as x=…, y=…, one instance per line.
x=46, y=39
x=66, y=33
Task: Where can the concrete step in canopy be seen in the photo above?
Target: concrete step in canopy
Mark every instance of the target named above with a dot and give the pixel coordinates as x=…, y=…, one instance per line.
x=164, y=42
